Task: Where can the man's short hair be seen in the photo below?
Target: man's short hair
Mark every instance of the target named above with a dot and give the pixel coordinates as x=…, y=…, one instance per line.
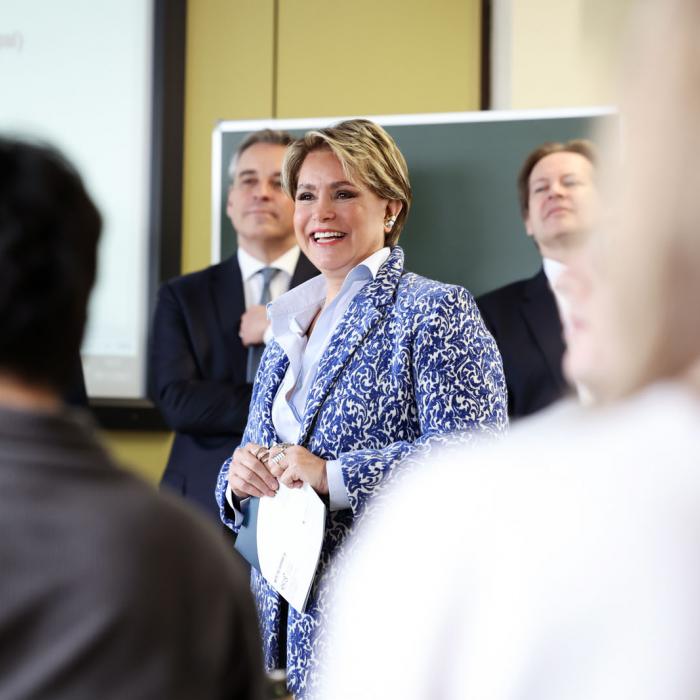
x=49, y=229
x=272, y=136
x=583, y=147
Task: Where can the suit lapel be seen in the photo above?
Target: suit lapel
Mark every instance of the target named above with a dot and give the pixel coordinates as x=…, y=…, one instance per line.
x=363, y=314
x=539, y=309
x=227, y=297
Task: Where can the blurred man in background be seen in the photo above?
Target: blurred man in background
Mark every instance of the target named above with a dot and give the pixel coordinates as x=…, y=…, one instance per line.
x=559, y=203
x=210, y=326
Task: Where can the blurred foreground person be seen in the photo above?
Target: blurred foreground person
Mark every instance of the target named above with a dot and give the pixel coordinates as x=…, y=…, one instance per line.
x=566, y=563
x=108, y=590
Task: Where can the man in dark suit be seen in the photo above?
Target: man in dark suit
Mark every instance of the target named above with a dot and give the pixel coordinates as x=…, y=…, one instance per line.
x=559, y=204
x=108, y=589
x=209, y=327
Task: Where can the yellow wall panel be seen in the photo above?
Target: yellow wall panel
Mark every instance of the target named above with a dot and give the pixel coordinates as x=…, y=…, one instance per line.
x=577, y=63
x=370, y=57
x=143, y=453
x=228, y=76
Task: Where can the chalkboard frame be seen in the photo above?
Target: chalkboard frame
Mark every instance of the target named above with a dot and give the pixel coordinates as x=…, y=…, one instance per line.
x=458, y=239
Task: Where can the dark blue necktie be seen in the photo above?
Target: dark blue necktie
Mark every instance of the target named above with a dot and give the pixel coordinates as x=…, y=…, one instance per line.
x=255, y=351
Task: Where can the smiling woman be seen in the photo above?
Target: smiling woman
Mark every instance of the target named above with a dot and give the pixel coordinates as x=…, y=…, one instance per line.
x=368, y=364
x=338, y=223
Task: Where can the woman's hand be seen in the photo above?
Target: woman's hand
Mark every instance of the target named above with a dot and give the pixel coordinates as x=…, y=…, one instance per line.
x=248, y=475
x=297, y=466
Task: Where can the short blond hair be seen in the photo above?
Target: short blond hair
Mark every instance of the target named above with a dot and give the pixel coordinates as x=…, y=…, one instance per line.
x=368, y=155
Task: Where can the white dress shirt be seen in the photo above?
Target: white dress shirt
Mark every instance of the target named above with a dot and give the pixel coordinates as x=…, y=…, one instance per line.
x=253, y=282
x=552, y=271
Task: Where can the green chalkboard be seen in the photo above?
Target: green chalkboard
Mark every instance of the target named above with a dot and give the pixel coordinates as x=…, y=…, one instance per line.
x=464, y=226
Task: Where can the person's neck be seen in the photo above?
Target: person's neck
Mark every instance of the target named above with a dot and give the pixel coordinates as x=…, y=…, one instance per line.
x=333, y=286
x=267, y=251
x=564, y=250
x=15, y=393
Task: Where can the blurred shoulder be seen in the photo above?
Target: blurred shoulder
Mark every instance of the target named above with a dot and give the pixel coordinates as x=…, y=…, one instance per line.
x=569, y=459
x=580, y=517
x=152, y=533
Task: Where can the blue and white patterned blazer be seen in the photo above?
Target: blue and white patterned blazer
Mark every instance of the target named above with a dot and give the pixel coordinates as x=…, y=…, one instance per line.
x=411, y=359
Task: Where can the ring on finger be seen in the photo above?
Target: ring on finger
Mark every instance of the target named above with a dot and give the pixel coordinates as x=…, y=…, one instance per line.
x=281, y=445
x=278, y=457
